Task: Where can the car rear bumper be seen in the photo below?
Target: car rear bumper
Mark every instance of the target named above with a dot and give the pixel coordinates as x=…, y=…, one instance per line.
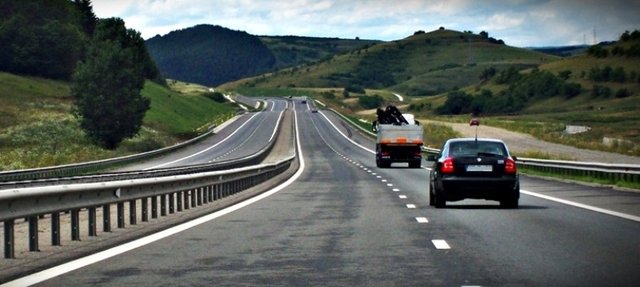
x=458, y=188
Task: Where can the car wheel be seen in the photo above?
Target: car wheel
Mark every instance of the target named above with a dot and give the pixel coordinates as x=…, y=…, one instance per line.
x=432, y=201
x=439, y=200
x=511, y=203
x=414, y=164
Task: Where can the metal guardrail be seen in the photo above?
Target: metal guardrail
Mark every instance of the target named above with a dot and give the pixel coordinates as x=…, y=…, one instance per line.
x=253, y=159
x=168, y=195
x=605, y=171
x=170, y=191
x=93, y=166
x=612, y=172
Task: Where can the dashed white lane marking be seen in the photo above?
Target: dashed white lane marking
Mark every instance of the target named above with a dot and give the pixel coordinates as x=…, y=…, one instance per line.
x=422, y=220
x=389, y=184
x=411, y=206
x=402, y=196
x=384, y=180
x=396, y=189
x=377, y=176
x=440, y=244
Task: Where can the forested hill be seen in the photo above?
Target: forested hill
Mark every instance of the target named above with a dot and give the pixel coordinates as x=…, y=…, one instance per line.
x=212, y=55
x=209, y=55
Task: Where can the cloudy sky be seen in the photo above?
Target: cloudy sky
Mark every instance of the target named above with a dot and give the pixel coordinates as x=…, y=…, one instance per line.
x=520, y=23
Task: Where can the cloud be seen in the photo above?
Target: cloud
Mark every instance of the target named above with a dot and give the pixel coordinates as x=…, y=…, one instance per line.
x=518, y=22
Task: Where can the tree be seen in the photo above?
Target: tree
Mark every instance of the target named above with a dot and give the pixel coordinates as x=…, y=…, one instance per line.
x=106, y=86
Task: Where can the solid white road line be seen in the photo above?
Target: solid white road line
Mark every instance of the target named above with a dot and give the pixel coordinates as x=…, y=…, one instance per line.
x=343, y=135
x=204, y=150
x=584, y=206
x=100, y=256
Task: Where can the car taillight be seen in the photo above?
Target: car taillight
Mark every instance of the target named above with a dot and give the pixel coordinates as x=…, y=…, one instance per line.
x=447, y=166
x=510, y=166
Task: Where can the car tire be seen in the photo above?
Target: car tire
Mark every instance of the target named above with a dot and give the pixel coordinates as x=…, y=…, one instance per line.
x=439, y=200
x=432, y=200
x=510, y=203
x=415, y=164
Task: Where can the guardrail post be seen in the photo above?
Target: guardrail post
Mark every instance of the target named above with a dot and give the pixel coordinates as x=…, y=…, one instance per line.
x=75, y=224
x=92, y=221
x=106, y=218
x=163, y=205
x=145, y=209
x=133, y=212
x=172, y=209
x=120, y=215
x=33, y=233
x=184, y=196
x=55, y=228
x=154, y=206
x=193, y=197
x=9, y=246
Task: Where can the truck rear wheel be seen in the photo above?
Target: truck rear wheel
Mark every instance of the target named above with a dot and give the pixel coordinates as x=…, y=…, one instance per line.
x=383, y=164
x=415, y=164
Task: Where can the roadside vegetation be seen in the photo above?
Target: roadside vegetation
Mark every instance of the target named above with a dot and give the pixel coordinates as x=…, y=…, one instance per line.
x=37, y=127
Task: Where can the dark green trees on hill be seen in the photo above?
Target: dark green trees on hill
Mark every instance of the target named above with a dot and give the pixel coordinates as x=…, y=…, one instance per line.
x=106, y=85
x=43, y=37
x=210, y=55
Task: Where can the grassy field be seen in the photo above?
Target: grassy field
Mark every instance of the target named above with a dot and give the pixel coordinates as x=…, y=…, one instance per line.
x=37, y=128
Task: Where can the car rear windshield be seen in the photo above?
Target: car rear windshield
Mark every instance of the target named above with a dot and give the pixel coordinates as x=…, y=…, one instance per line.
x=477, y=148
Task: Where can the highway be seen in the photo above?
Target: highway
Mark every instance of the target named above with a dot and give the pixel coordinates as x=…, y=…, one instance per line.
x=341, y=221
x=245, y=136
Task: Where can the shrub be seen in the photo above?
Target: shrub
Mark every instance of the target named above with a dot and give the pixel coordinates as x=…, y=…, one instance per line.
x=370, y=102
x=216, y=96
x=601, y=91
x=623, y=93
x=572, y=89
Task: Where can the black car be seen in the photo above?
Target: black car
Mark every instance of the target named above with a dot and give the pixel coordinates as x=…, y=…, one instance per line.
x=474, y=168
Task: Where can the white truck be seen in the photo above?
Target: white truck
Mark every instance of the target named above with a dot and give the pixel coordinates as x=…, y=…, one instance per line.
x=399, y=138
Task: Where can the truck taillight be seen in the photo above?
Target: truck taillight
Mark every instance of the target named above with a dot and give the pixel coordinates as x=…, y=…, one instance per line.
x=510, y=166
x=447, y=166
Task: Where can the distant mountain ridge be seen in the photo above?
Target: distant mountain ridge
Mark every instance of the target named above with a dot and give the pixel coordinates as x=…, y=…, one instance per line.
x=211, y=55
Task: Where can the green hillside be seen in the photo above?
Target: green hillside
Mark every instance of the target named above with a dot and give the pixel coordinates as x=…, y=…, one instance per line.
x=291, y=51
x=421, y=65
x=527, y=91
x=37, y=128
x=212, y=55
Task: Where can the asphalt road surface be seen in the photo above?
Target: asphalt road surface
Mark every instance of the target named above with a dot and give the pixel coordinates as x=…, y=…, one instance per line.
x=341, y=221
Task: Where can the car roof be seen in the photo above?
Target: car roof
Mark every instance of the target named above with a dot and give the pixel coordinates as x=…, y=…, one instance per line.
x=474, y=139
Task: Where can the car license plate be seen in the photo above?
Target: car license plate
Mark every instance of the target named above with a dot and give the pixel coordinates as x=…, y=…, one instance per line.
x=480, y=168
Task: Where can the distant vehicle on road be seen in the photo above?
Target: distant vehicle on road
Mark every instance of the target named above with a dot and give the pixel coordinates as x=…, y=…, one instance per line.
x=474, y=168
x=398, y=139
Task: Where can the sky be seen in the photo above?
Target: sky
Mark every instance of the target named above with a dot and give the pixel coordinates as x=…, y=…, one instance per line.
x=520, y=23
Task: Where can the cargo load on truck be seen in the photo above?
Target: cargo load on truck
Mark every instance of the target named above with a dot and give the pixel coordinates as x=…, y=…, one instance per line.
x=399, y=138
